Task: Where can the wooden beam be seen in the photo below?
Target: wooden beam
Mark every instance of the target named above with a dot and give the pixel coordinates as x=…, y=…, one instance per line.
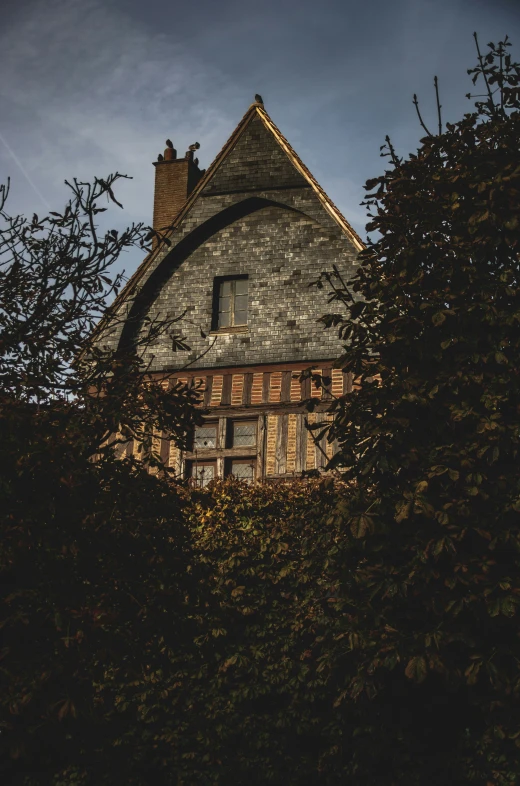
x=286, y=386
x=248, y=385
x=165, y=449
x=262, y=447
x=321, y=445
x=301, y=445
x=226, y=390
x=222, y=424
x=265, y=387
x=208, y=389
x=212, y=453
x=281, y=445
x=221, y=433
x=251, y=367
x=327, y=372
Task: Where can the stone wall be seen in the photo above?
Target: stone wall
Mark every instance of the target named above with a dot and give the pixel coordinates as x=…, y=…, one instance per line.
x=282, y=252
x=257, y=216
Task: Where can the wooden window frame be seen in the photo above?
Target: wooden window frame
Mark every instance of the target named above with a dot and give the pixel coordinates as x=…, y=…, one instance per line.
x=217, y=284
x=230, y=441
x=194, y=463
x=229, y=462
x=208, y=422
x=224, y=453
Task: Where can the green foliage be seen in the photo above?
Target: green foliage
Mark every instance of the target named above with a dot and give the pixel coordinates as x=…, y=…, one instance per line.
x=253, y=699
x=94, y=549
x=431, y=441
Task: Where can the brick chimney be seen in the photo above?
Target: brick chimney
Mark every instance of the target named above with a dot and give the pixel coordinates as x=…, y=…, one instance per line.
x=175, y=179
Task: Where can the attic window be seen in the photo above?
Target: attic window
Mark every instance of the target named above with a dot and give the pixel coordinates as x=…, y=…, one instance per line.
x=230, y=302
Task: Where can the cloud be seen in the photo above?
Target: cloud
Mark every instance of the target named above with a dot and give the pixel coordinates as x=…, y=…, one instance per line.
x=88, y=90
x=93, y=86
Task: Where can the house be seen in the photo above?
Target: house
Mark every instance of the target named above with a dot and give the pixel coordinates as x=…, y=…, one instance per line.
x=247, y=239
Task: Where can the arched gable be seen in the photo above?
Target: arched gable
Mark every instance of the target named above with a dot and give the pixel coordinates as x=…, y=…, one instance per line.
x=181, y=251
x=281, y=251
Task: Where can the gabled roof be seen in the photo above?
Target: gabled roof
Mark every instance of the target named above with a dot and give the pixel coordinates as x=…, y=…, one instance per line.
x=255, y=110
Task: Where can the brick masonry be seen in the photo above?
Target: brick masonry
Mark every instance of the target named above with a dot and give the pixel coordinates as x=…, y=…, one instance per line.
x=175, y=179
x=265, y=389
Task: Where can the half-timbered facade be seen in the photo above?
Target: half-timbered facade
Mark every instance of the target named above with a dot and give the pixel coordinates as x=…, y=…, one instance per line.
x=247, y=239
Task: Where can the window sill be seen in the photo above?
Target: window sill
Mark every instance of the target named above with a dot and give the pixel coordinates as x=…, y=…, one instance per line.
x=230, y=330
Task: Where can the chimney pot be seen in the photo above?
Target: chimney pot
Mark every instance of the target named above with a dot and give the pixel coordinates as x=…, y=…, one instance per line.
x=175, y=179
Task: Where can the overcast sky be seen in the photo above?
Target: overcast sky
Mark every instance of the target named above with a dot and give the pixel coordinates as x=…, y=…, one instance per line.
x=93, y=86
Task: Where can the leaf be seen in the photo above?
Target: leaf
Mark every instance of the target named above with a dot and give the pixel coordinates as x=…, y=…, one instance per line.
x=416, y=669
x=372, y=182
x=508, y=606
x=511, y=223
x=67, y=708
x=472, y=671
x=179, y=343
x=439, y=546
x=229, y=662
x=112, y=197
x=438, y=318
x=494, y=607
x=360, y=525
x=403, y=509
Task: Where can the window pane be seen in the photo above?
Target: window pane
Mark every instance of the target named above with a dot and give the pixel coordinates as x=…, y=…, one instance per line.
x=241, y=286
x=205, y=437
x=203, y=474
x=241, y=303
x=232, y=303
x=242, y=470
x=223, y=319
x=244, y=434
x=225, y=288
